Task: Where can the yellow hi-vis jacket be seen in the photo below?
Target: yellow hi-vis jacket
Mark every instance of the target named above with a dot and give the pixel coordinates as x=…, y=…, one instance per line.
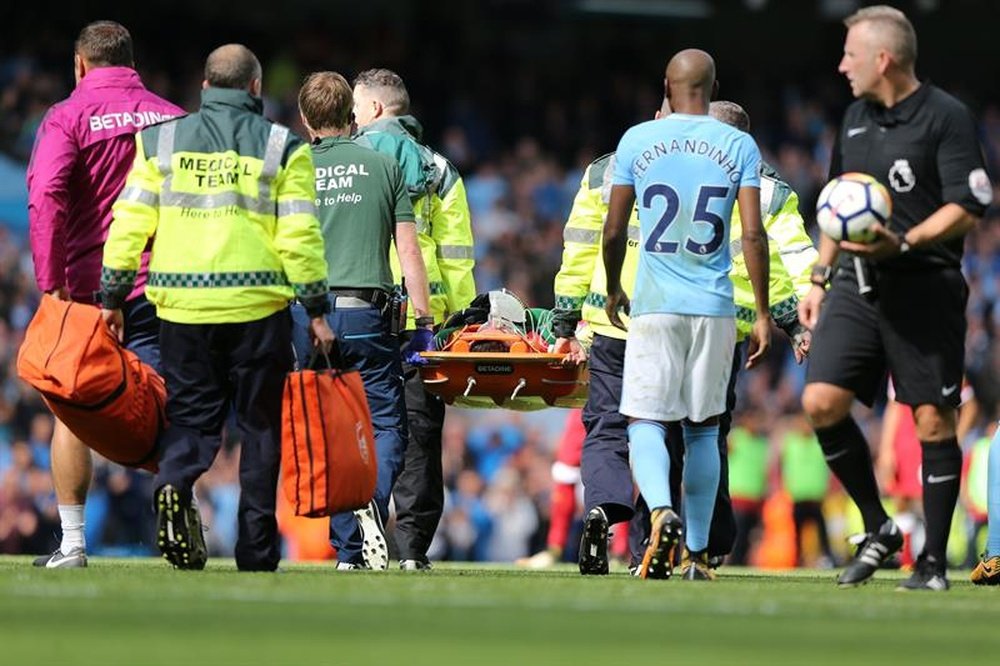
x=229, y=199
x=581, y=284
x=444, y=224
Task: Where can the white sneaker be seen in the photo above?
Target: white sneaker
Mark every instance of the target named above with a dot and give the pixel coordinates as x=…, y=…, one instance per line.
x=348, y=566
x=76, y=558
x=374, y=548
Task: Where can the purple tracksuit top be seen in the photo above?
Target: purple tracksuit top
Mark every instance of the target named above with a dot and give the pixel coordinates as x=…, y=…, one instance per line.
x=83, y=151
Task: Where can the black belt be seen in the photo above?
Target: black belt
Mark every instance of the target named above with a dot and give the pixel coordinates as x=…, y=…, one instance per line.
x=376, y=297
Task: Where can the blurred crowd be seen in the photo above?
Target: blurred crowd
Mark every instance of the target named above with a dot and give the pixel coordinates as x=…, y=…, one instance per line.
x=521, y=183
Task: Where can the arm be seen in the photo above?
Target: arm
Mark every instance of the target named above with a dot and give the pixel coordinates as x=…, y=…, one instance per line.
x=451, y=230
x=136, y=215
x=754, y=242
x=786, y=229
x=52, y=161
x=809, y=306
x=411, y=262
x=614, y=245
x=411, y=259
x=581, y=248
x=299, y=241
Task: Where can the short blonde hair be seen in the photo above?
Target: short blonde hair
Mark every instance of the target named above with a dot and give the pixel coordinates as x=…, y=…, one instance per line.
x=894, y=29
x=326, y=100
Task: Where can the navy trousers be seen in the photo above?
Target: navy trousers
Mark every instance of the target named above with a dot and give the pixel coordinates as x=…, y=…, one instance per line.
x=210, y=370
x=366, y=345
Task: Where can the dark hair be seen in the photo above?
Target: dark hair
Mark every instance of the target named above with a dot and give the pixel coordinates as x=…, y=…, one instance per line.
x=232, y=66
x=388, y=87
x=326, y=100
x=105, y=44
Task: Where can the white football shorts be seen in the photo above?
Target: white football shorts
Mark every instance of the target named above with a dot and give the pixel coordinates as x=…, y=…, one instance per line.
x=677, y=366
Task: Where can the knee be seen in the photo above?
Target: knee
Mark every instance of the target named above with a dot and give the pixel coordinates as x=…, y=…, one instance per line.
x=825, y=405
x=934, y=423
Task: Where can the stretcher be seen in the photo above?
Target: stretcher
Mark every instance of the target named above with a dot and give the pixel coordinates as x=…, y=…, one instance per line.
x=486, y=368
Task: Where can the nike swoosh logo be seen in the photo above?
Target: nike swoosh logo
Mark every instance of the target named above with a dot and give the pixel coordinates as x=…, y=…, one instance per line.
x=941, y=479
x=834, y=456
x=948, y=390
x=854, y=131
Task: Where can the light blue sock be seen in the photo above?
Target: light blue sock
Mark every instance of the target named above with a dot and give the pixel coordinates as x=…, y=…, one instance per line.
x=993, y=496
x=647, y=449
x=701, y=482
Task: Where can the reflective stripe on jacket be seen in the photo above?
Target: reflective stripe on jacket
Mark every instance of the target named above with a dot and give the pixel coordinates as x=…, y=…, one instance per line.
x=230, y=199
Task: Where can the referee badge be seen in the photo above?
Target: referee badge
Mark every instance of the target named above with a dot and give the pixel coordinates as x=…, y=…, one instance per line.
x=901, y=176
x=981, y=187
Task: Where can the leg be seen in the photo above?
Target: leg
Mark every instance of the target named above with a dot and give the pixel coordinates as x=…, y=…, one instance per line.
x=604, y=461
x=72, y=470
x=193, y=368
x=365, y=345
x=926, y=358
x=261, y=356
x=419, y=490
x=604, y=465
x=987, y=572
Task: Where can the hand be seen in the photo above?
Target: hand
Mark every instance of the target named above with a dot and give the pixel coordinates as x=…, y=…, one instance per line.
x=321, y=335
x=886, y=244
x=617, y=303
x=809, y=306
x=760, y=340
x=421, y=340
x=60, y=294
x=801, y=338
x=574, y=352
x=116, y=323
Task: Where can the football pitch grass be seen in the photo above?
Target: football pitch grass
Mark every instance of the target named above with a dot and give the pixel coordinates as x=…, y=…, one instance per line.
x=140, y=611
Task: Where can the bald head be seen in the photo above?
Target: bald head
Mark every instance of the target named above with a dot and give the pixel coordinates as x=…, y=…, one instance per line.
x=692, y=68
x=690, y=81
x=232, y=66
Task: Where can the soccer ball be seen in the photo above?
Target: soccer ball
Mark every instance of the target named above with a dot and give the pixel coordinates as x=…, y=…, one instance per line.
x=850, y=204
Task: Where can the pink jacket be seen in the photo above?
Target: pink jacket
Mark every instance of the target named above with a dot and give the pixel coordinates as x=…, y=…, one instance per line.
x=83, y=152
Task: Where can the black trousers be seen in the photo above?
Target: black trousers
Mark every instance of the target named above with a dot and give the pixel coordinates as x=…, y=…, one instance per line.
x=210, y=370
x=419, y=490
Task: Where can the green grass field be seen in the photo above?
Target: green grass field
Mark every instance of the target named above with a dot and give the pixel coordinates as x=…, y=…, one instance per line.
x=143, y=612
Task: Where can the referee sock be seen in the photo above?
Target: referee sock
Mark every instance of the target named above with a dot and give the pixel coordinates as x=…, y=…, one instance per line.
x=701, y=483
x=993, y=497
x=847, y=454
x=942, y=473
x=647, y=449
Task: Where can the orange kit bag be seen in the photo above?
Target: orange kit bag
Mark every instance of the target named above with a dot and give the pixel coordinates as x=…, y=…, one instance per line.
x=328, y=462
x=106, y=396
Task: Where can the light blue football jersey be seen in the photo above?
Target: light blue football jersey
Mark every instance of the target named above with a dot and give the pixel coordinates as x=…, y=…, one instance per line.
x=687, y=171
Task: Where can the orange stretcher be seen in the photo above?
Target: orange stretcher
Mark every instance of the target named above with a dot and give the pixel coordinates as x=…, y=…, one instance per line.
x=525, y=377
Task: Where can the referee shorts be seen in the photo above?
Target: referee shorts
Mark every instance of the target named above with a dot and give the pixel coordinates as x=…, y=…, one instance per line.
x=915, y=329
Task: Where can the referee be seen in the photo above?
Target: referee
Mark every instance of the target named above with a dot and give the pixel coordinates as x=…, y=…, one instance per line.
x=898, y=303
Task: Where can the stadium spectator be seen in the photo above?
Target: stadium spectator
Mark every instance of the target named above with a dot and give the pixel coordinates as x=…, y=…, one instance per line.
x=919, y=142
x=361, y=214
x=223, y=302
x=82, y=154
x=444, y=229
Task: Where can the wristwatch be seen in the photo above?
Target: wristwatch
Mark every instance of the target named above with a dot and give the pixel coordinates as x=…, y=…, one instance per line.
x=820, y=275
x=426, y=320
x=904, y=247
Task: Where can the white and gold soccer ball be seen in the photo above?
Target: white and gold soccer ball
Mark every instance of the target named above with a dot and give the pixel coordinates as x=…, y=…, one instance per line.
x=850, y=204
